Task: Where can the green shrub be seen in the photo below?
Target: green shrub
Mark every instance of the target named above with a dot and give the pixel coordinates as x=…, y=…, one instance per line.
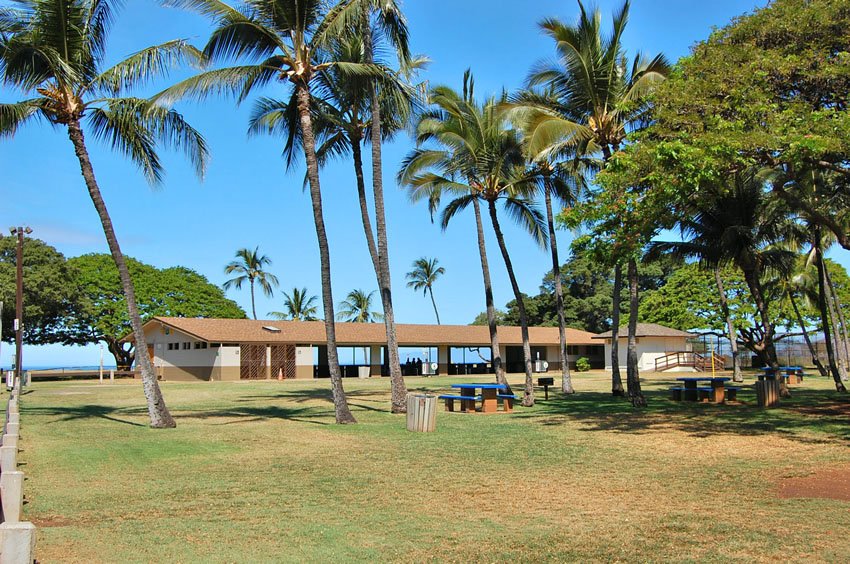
x=582, y=364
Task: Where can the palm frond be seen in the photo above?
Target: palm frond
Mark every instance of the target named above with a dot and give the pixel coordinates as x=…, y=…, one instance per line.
x=146, y=65
x=525, y=214
x=13, y=116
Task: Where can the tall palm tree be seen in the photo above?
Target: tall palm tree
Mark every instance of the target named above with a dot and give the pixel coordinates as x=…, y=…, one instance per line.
x=357, y=308
x=425, y=272
x=299, y=307
x=282, y=40
x=479, y=161
x=53, y=51
x=249, y=267
x=342, y=122
x=597, y=102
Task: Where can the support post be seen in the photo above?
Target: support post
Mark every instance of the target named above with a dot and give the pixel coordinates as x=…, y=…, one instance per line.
x=12, y=495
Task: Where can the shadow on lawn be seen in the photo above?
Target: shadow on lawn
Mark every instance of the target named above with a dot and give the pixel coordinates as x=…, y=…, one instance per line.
x=90, y=411
x=806, y=413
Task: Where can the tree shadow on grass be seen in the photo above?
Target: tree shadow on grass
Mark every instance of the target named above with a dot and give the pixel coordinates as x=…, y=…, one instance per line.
x=357, y=399
x=810, y=416
x=72, y=413
x=245, y=414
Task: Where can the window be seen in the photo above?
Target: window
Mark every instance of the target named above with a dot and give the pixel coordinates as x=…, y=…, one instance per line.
x=200, y=345
x=187, y=346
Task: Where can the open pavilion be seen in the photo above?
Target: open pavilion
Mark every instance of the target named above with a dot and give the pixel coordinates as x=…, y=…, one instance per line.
x=243, y=349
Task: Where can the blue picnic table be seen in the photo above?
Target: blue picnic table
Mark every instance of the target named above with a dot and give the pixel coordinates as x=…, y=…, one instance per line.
x=469, y=395
x=794, y=374
x=716, y=393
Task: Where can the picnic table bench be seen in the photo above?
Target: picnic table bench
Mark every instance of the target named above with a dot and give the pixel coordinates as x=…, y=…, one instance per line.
x=467, y=403
x=489, y=397
x=691, y=391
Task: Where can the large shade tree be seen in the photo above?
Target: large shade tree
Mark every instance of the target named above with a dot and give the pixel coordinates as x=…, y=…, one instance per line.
x=53, y=52
x=595, y=98
x=100, y=314
x=50, y=293
x=476, y=160
x=249, y=266
x=281, y=41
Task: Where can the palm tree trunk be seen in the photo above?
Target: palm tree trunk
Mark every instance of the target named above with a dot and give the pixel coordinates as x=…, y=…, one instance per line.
x=632, y=372
x=815, y=360
x=433, y=303
x=737, y=376
x=566, y=380
x=824, y=313
x=157, y=410
x=253, y=307
x=343, y=413
x=753, y=280
x=616, y=380
x=496, y=354
x=399, y=390
x=838, y=325
x=364, y=205
x=528, y=398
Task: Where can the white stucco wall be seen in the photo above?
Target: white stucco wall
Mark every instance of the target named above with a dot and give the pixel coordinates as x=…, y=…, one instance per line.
x=160, y=339
x=648, y=349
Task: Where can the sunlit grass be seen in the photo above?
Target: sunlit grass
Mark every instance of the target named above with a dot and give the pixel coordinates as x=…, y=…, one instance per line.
x=258, y=472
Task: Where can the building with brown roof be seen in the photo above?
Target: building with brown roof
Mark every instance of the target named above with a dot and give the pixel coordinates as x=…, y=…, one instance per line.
x=234, y=349
x=653, y=342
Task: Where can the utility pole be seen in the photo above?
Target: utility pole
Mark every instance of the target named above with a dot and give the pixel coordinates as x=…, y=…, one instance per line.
x=19, y=301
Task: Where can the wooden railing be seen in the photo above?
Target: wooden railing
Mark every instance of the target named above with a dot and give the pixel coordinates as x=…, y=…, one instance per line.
x=690, y=359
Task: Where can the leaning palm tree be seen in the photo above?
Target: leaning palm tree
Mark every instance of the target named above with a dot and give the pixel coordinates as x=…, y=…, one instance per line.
x=342, y=123
x=425, y=272
x=597, y=100
x=53, y=52
x=249, y=268
x=298, y=306
x=282, y=40
x=478, y=160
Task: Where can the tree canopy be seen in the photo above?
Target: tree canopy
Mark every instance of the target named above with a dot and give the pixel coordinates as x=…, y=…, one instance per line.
x=102, y=313
x=49, y=291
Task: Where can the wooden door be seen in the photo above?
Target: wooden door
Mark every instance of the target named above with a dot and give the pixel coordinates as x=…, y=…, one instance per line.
x=283, y=361
x=252, y=362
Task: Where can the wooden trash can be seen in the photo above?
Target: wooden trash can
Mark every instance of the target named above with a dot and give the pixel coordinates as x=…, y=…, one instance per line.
x=767, y=392
x=421, y=412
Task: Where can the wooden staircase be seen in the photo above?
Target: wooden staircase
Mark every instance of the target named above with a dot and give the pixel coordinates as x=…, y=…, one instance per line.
x=689, y=359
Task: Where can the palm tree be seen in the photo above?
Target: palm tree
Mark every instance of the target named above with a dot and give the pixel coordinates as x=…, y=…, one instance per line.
x=480, y=161
x=357, y=308
x=53, y=52
x=738, y=224
x=284, y=40
x=425, y=272
x=298, y=306
x=598, y=100
x=249, y=267
x=342, y=122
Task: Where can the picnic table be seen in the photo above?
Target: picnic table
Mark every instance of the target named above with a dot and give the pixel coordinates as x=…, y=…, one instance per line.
x=489, y=397
x=693, y=392
x=793, y=374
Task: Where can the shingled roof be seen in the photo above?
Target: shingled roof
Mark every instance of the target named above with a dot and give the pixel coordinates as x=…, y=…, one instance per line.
x=313, y=332
x=646, y=330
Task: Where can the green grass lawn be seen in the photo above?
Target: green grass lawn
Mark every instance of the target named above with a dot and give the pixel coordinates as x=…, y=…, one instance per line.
x=258, y=472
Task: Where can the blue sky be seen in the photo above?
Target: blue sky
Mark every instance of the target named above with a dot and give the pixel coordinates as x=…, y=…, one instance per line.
x=247, y=199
